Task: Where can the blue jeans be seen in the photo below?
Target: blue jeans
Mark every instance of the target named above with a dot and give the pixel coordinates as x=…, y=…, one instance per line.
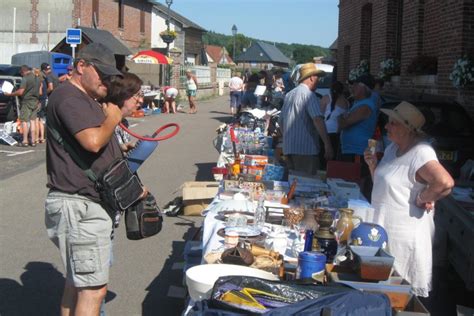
x=235, y=98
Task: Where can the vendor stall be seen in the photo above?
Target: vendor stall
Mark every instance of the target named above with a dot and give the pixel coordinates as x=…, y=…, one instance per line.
x=289, y=228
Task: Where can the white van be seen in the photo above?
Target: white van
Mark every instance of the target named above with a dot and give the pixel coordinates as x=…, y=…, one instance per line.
x=324, y=83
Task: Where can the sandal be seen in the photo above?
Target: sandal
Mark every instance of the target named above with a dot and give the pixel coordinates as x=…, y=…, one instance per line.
x=41, y=141
x=33, y=144
x=22, y=144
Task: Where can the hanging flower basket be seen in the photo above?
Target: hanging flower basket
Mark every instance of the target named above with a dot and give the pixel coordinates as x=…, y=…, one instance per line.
x=168, y=36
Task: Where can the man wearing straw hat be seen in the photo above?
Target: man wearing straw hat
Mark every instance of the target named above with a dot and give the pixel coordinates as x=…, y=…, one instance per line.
x=302, y=123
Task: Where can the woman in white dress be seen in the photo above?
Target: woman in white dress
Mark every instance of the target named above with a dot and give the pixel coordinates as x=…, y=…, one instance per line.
x=407, y=182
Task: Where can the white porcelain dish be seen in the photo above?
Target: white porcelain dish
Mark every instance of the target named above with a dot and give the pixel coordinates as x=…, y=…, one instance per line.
x=246, y=231
x=200, y=279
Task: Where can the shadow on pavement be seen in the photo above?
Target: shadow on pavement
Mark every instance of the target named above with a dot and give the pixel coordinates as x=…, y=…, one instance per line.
x=204, y=172
x=223, y=119
x=220, y=112
x=157, y=301
x=39, y=293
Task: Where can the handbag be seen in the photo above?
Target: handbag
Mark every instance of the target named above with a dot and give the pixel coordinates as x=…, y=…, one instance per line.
x=118, y=187
x=143, y=219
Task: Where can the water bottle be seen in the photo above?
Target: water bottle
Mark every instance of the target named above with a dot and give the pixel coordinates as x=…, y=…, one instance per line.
x=260, y=214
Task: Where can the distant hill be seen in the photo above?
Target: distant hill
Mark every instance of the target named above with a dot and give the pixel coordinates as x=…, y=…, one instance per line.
x=300, y=53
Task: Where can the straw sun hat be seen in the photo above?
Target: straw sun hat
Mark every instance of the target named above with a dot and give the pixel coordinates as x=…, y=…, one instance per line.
x=407, y=114
x=308, y=70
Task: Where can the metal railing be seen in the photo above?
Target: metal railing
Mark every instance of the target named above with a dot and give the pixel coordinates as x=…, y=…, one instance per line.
x=202, y=73
x=223, y=75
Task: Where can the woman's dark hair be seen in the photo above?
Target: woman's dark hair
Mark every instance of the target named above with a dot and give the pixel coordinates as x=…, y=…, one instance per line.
x=337, y=89
x=253, y=81
x=121, y=89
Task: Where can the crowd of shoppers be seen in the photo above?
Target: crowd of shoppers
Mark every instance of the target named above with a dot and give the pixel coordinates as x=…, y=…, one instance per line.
x=407, y=181
x=94, y=97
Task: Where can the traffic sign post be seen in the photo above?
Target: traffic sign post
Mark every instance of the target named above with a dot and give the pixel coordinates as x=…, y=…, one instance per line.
x=73, y=38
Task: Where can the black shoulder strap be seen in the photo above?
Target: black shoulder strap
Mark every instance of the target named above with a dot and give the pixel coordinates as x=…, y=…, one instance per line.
x=52, y=130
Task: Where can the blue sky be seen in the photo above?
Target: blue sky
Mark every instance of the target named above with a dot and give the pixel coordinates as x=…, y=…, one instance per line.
x=289, y=21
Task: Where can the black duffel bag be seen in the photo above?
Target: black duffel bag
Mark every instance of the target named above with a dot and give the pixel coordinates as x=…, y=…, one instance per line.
x=143, y=219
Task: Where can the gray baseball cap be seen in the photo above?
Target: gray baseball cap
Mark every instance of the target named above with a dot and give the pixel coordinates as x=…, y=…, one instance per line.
x=102, y=57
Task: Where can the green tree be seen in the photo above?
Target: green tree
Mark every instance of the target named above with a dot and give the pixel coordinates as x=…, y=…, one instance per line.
x=303, y=55
x=298, y=52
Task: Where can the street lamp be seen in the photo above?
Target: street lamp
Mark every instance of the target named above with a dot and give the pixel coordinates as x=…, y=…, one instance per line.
x=234, y=33
x=168, y=75
x=168, y=3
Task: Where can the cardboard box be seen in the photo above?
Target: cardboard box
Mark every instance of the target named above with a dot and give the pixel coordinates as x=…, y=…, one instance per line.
x=197, y=196
x=413, y=308
x=344, y=189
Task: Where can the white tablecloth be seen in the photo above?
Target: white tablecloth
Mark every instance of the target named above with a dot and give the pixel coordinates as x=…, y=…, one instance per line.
x=211, y=241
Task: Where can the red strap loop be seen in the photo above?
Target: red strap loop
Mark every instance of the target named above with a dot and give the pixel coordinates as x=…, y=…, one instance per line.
x=154, y=137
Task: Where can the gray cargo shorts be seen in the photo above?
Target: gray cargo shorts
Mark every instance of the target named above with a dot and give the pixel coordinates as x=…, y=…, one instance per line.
x=81, y=229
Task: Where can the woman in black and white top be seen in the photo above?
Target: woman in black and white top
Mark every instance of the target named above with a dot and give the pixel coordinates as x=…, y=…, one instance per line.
x=333, y=105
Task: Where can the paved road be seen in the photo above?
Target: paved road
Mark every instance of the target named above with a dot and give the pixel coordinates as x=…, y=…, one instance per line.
x=146, y=277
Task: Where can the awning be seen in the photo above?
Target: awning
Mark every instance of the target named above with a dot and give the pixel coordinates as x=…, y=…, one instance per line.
x=151, y=57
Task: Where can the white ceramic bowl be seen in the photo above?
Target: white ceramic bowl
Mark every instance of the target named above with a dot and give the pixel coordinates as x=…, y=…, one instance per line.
x=200, y=279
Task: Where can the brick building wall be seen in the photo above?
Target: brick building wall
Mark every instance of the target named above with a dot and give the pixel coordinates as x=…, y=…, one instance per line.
x=404, y=29
x=108, y=19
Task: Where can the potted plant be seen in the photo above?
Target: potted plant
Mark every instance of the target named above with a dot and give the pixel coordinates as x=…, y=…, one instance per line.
x=359, y=70
x=463, y=73
x=425, y=69
x=388, y=68
x=168, y=36
x=423, y=65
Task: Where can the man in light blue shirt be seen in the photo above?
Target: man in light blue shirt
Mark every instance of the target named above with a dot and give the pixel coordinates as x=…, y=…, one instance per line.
x=301, y=123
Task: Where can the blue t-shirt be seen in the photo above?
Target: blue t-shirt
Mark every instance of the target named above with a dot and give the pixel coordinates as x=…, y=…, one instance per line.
x=354, y=138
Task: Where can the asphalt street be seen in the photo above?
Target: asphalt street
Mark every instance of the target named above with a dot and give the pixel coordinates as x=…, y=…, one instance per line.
x=146, y=276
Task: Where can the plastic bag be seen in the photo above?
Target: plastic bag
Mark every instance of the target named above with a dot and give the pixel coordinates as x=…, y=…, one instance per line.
x=280, y=294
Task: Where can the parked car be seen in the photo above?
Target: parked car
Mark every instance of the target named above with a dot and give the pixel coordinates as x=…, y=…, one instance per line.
x=449, y=128
x=9, y=105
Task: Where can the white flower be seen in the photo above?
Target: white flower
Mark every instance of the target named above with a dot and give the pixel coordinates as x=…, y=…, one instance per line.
x=463, y=72
x=388, y=68
x=359, y=70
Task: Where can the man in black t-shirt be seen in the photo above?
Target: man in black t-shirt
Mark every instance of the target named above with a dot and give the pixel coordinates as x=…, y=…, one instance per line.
x=49, y=82
x=74, y=218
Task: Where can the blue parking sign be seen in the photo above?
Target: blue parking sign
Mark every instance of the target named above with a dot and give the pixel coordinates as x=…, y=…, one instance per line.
x=73, y=36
